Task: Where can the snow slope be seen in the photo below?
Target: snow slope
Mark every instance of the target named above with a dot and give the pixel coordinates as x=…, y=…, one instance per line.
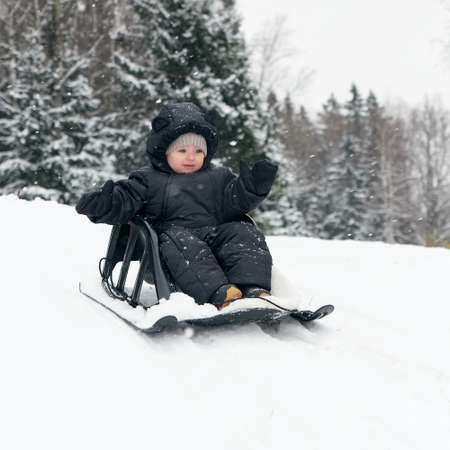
x=374, y=375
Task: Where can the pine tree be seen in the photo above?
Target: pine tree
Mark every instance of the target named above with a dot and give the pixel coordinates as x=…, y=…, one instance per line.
x=344, y=199
x=88, y=144
x=310, y=169
x=346, y=178
x=331, y=131
x=279, y=213
x=55, y=149
x=372, y=152
x=135, y=81
x=28, y=119
x=331, y=126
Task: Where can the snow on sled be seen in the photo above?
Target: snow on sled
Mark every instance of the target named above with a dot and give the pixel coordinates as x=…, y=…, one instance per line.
x=139, y=296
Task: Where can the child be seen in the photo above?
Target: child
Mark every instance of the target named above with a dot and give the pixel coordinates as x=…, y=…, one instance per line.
x=197, y=209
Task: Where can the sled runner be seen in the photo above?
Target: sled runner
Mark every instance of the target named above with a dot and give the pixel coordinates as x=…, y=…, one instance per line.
x=267, y=314
x=138, y=241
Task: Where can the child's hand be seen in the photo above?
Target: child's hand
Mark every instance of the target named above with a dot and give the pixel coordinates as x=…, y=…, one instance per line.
x=97, y=203
x=261, y=177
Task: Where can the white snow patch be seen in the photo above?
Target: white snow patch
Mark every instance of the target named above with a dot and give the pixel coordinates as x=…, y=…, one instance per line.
x=374, y=375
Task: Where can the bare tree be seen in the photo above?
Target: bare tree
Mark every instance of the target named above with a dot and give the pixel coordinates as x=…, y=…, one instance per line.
x=96, y=24
x=445, y=42
x=430, y=138
x=13, y=20
x=396, y=160
x=272, y=55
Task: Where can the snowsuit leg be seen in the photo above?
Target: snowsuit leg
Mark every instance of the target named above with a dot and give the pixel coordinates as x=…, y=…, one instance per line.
x=191, y=263
x=242, y=252
x=203, y=259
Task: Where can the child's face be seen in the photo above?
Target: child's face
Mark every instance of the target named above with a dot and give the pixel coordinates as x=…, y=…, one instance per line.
x=186, y=160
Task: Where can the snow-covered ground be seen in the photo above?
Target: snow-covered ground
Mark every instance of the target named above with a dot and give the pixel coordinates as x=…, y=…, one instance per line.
x=373, y=375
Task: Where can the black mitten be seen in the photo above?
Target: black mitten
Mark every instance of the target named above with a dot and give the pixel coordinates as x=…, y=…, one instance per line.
x=98, y=203
x=260, y=178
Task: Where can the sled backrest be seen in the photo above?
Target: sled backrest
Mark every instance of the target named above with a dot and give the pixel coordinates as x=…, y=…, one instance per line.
x=135, y=241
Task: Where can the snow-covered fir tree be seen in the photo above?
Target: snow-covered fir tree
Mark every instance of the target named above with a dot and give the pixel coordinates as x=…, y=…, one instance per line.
x=56, y=147
x=374, y=222
x=27, y=117
x=331, y=126
x=347, y=178
x=291, y=137
x=134, y=89
x=279, y=213
x=310, y=172
x=88, y=144
x=298, y=137
x=331, y=131
x=345, y=202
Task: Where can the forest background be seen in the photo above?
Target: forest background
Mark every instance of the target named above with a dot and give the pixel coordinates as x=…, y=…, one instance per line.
x=80, y=81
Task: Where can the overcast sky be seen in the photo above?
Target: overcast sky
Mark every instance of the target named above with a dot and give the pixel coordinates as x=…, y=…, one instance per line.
x=394, y=47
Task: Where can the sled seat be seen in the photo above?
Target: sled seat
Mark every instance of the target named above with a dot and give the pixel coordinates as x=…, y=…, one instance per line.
x=137, y=241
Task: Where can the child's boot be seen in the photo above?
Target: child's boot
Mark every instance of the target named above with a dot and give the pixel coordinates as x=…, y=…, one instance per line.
x=225, y=295
x=255, y=291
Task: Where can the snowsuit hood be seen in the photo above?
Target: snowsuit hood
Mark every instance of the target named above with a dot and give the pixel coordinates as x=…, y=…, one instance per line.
x=172, y=121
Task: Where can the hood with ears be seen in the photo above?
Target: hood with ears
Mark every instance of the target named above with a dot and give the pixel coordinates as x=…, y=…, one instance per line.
x=172, y=121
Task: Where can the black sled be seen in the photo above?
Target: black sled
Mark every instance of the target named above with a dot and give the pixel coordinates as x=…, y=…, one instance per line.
x=138, y=241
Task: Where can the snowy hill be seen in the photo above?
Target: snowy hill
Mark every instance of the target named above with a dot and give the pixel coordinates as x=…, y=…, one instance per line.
x=374, y=375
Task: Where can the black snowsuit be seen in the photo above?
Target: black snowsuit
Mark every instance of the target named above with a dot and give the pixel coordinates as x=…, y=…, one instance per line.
x=204, y=241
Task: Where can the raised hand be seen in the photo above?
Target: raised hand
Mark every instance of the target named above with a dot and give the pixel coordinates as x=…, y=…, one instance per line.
x=260, y=177
x=97, y=203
